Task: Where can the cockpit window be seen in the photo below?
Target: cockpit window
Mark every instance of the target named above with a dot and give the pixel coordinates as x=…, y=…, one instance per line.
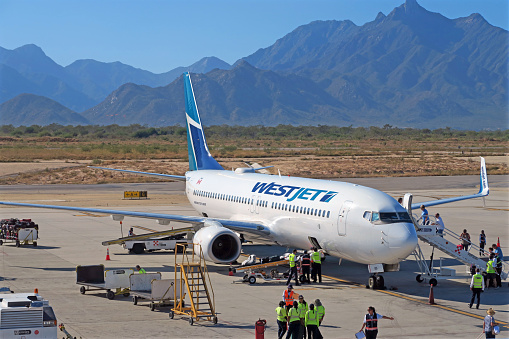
x=367, y=215
x=403, y=216
x=375, y=216
x=389, y=217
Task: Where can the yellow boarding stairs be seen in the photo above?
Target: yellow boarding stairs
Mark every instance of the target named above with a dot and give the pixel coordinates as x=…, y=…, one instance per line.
x=192, y=276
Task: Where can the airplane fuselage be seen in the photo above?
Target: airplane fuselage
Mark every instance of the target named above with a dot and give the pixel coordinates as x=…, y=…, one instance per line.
x=350, y=221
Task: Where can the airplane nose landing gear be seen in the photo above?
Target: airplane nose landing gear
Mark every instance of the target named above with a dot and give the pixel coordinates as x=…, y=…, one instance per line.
x=376, y=282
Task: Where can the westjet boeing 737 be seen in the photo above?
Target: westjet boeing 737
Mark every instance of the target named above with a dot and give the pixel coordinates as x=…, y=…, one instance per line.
x=349, y=221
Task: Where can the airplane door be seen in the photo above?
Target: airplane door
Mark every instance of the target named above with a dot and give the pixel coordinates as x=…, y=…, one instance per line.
x=343, y=213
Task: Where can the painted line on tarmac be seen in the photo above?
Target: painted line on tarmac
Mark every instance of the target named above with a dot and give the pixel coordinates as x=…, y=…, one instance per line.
x=87, y=214
x=447, y=308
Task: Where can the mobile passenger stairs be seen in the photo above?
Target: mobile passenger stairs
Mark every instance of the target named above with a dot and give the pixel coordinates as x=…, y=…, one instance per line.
x=192, y=278
x=447, y=243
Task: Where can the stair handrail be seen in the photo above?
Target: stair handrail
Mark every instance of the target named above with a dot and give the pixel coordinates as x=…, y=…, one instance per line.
x=209, y=287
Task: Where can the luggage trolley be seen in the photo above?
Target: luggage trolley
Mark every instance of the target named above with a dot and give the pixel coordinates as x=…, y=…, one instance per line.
x=150, y=287
x=254, y=272
x=21, y=232
x=94, y=277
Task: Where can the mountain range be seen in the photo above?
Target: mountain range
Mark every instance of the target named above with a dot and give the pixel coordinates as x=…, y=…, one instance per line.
x=411, y=68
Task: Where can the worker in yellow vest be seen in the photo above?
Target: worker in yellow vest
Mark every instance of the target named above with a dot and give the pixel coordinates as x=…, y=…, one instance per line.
x=490, y=270
x=292, y=260
x=281, y=319
x=302, y=308
x=140, y=270
x=312, y=321
x=476, y=286
x=316, y=268
x=320, y=310
x=293, y=322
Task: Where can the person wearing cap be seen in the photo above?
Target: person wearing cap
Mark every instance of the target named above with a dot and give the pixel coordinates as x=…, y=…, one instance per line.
x=140, y=270
x=312, y=321
x=489, y=323
x=476, y=286
x=371, y=322
x=281, y=319
x=320, y=310
x=289, y=296
x=302, y=307
x=292, y=260
x=293, y=321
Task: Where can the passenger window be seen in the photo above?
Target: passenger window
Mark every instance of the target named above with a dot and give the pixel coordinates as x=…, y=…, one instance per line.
x=328, y=214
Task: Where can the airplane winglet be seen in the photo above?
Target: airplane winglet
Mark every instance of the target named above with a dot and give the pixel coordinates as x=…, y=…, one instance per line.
x=484, y=189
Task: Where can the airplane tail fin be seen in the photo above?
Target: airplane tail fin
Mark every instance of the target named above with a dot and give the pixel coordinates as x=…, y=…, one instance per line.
x=199, y=155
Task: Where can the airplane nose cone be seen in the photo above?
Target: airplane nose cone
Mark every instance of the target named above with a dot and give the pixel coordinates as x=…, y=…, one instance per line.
x=402, y=239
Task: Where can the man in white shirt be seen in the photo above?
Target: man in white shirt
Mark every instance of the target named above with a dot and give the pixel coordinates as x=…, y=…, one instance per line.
x=440, y=224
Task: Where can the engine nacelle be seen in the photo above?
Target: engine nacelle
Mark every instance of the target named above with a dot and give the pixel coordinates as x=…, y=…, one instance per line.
x=219, y=244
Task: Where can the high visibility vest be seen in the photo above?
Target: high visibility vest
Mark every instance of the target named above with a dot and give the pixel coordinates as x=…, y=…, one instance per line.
x=291, y=259
x=477, y=280
x=316, y=257
x=311, y=318
x=288, y=298
x=302, y=308
x=281, y=314
x=142, y=270
x=489, y=267
x=306, y=261
x=294, y=315
x=499, y=262
x=371, y=324
x=321, y=311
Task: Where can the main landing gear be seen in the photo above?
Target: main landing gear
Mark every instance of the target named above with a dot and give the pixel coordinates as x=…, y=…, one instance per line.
x=376, y=282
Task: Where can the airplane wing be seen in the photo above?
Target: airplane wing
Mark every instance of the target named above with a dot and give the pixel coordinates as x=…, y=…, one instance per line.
x=168, y=176
x=484, y=190
x=254, y=228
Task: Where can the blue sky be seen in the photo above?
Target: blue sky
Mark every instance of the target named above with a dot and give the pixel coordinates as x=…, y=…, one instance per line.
x=159, y=35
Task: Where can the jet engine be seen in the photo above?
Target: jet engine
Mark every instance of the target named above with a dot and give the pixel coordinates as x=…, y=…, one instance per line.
x=219, y=244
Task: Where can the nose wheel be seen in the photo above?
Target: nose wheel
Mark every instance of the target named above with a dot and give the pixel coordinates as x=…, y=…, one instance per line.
x=376, y=282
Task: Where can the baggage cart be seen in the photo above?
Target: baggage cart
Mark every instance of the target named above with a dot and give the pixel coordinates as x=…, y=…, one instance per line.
x=94, y=278
x=255, y=272
x=151, y=288
x=20, y=232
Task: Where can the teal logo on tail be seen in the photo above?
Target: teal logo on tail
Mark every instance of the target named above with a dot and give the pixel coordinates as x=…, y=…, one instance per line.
x=199, y=155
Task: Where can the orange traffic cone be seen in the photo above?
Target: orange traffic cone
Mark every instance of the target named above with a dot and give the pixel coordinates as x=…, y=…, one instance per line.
x=36, y=291
x=230, y=271
x=431, y=296
x=108, y=254
x=498, y=242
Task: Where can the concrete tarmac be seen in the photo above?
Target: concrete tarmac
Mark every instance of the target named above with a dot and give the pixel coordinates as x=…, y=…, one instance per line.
x=71, y=239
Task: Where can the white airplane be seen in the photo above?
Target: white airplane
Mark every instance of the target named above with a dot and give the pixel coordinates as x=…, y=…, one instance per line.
x=349, y=221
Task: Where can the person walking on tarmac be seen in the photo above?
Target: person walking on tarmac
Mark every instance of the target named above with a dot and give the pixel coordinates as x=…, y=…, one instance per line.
x=302, y=308
x=293, y=322
x=289, y=296
x=281, y=320
x=497, y=264
x=320, y=310
x=292, y=259
x=476, y=286
x=140, y=270
x=305, y=263
x=371, y=322
x=312, y=322
x=316, y=262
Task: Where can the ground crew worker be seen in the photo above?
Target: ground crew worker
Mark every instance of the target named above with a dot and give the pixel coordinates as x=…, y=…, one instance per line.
x=371, y=322
x=311, y=321
x=306, y=266
x=292, y=259
x=490, y=270
x=281, y=319
x=302, y=307
x=131, y=232
x=289, y=296
x=320, y=310
x=293, y=321
x=316, y=262
x=140, y=270
x=476, y=286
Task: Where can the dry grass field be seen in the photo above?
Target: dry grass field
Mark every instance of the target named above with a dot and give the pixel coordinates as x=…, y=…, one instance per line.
x=64, y=160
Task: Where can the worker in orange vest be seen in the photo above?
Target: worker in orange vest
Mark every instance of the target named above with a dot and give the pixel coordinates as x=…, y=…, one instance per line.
x=289, y=297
